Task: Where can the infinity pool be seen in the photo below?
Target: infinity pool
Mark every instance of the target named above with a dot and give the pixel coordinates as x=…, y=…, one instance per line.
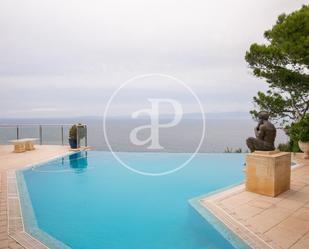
x=88, y=200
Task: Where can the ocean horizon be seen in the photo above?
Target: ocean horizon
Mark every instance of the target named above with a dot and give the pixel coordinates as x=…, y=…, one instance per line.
x=221, y=132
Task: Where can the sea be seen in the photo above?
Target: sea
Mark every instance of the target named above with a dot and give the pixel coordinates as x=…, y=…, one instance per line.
x=222, y=134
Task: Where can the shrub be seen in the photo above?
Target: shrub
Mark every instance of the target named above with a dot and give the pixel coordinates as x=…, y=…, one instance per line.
x=285, y=147
x=299, y=131
x=73, y=132
x=239, y=150
x=231, y=150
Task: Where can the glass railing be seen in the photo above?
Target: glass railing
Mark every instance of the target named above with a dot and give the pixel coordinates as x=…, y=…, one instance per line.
x=56, y=134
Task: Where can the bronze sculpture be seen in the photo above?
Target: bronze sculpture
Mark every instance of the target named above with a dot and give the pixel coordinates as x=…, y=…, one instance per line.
x=265, y=134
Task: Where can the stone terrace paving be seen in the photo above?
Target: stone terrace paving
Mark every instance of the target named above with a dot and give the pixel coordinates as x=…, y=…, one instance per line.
x=264, y=222
x=10, y=161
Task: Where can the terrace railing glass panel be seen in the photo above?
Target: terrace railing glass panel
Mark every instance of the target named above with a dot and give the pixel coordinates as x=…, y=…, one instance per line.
x=53, y=134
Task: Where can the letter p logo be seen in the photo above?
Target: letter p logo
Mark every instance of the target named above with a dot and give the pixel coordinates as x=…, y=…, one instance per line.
x=154, y=126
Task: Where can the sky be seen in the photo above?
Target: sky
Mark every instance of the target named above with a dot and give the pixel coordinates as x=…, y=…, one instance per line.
x=61, y=58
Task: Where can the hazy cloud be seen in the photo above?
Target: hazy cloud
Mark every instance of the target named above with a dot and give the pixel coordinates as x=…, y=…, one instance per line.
x=62, y=57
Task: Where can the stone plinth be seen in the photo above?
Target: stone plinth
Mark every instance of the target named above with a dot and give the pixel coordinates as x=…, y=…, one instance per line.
x=268, y=172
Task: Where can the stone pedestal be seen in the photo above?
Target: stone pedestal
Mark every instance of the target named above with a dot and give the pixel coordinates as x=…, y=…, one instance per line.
x=268, y=172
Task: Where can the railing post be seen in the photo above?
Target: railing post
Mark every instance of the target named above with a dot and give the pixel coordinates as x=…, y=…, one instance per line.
x=17, y=132
x=62, y=134
x=86, y=136
x=77, y=136
x=41, y=135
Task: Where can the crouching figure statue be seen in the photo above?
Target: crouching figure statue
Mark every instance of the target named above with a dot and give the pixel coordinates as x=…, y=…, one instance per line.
x=265, y=134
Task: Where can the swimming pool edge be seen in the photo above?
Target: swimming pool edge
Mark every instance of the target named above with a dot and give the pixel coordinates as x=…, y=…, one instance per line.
x=215, y=221
x=238, y=235
x=22, y=226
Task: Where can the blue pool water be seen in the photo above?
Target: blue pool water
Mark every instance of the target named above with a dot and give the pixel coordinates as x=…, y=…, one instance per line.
x=88, y=200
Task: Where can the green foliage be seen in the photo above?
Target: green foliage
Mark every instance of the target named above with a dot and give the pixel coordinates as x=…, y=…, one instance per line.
x=299, y=131
x=291, y=146
x=295, y=147
x=231, y=150
x=73, y=132
x=284, y=63
x=239, y=150
x=296, y=131
x=285, y=147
